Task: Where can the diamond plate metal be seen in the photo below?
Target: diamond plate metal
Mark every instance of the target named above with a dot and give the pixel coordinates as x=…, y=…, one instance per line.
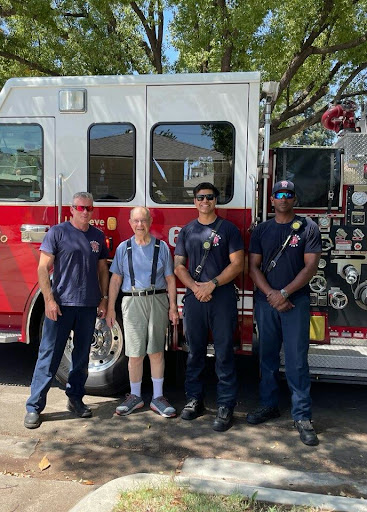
x=355, y=157
x=352, y=359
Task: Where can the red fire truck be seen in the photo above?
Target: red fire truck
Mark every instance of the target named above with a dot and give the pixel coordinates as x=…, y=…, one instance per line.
x=149, y=140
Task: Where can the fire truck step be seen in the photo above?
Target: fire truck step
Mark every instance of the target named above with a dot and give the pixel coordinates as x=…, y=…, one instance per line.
x=10, y=337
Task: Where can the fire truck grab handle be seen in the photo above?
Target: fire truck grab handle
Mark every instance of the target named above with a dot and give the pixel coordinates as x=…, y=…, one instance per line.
x=59, y=197
x=253, y=198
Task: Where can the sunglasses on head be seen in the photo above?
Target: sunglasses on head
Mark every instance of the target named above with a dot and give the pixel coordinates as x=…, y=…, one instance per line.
x=209, y=197
x=80, y=208
x=286, y=195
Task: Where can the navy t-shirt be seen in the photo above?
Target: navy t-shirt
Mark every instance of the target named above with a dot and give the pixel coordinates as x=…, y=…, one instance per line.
x=190, y=244
x=266, y=240
x=75, y=277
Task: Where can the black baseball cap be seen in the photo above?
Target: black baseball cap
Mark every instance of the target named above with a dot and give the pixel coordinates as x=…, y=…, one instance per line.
x=283, y=185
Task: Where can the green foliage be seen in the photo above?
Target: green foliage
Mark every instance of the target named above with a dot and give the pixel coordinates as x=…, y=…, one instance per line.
x=76, y=37
x=315, y=49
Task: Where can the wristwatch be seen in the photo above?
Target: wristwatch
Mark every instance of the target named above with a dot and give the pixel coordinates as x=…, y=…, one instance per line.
x=284, y=293
x=215, y=281
x=104, y=297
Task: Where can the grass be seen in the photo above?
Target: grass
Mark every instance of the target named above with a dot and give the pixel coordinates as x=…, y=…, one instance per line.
x=171, y=498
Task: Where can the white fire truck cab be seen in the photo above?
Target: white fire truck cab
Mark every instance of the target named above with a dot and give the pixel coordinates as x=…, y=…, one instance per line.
x=149, y=140
x=129, y=140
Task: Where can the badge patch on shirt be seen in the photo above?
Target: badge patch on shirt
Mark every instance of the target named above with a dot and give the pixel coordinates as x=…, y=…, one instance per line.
x=294, y=241
x=216, y=239
x=94, y=245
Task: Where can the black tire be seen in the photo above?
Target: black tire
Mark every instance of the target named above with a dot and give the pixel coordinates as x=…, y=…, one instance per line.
x=107, y=370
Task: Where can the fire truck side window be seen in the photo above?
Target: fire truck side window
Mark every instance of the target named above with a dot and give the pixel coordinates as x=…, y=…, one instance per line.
x=183, y=155
x=21, y=162
x=112, y=162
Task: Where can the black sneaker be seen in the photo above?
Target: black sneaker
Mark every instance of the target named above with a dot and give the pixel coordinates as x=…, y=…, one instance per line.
x=307, y=432
x=78, y=407
x=223, y=420
x=262, y=414
x=192, y=409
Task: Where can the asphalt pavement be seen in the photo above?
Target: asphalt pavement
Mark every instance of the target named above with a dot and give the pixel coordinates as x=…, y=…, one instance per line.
x=88, y=457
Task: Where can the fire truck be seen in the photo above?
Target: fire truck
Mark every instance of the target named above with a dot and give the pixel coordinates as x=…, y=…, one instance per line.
x=149, y=140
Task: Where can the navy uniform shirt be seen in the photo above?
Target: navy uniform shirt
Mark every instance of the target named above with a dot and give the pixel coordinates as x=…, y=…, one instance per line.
x=190, y=244
x=268, y=237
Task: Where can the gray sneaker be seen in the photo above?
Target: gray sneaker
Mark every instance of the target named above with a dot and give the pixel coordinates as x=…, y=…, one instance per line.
x=163, y=407
x=129, y=405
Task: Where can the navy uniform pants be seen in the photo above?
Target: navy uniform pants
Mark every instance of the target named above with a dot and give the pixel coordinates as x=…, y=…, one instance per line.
x=220, y=316
x=81, y=320
x=292, y=329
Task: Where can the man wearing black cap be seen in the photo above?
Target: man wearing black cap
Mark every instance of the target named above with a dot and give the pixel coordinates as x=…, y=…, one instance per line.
x=214, y=249
x=284, y=255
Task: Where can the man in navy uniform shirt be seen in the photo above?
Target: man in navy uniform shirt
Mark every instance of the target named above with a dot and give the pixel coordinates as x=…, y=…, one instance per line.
x=210, y=303
x=282, y=306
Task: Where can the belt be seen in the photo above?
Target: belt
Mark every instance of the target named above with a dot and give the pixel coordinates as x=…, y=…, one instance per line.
x=143, y=293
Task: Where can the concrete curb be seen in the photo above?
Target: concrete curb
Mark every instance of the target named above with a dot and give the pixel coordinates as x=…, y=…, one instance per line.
x=269, y=475
x=105, y=498
x=274, y=496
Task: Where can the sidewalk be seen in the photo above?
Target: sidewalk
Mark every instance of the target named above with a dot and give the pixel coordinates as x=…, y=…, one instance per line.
x=226, y=477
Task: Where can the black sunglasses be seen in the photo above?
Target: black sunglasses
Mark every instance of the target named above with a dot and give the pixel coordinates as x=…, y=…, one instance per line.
x=287, y=195
x=80, y=208
x=209, y=197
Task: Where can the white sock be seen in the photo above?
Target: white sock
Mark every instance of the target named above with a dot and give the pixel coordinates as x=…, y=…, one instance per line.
x=157, y=387
x=135, y=388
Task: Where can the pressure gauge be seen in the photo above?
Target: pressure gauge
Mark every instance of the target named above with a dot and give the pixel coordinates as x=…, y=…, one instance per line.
x=359, y=198
x=324, y=222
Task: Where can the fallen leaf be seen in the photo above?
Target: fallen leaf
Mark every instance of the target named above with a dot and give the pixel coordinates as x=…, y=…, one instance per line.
x=126, y=438
x=81, y=460
x=149, y=425
x=44, y=464
x=87, y=482
x=266, y=461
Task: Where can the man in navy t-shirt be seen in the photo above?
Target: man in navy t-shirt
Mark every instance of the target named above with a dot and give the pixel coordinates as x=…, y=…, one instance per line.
x=284, y=255
x=210, y=302
x=78, y=255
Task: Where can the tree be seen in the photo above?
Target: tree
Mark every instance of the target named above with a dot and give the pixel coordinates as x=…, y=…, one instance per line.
x=315, y=49
x=77, y=37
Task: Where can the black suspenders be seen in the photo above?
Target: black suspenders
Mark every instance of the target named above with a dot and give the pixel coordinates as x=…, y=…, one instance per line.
x=154, y=264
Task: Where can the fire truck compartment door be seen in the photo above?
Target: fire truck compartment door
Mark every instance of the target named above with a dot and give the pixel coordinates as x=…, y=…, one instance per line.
x=27, y=209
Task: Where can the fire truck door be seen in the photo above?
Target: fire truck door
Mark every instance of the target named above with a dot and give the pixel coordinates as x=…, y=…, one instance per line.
x=27, y=209
x=196, y=133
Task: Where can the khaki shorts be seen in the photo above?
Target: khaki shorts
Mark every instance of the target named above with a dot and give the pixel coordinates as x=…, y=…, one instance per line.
x=145, y=324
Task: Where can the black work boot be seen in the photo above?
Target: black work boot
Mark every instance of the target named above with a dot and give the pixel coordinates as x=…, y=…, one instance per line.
x=262, y=414
x=307, y=432
x=32, y=420
x=223, y=420
x=192, y=409
x=79, y=408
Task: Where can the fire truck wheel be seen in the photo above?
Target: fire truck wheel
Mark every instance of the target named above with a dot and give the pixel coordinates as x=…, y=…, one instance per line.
x=107, y=370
